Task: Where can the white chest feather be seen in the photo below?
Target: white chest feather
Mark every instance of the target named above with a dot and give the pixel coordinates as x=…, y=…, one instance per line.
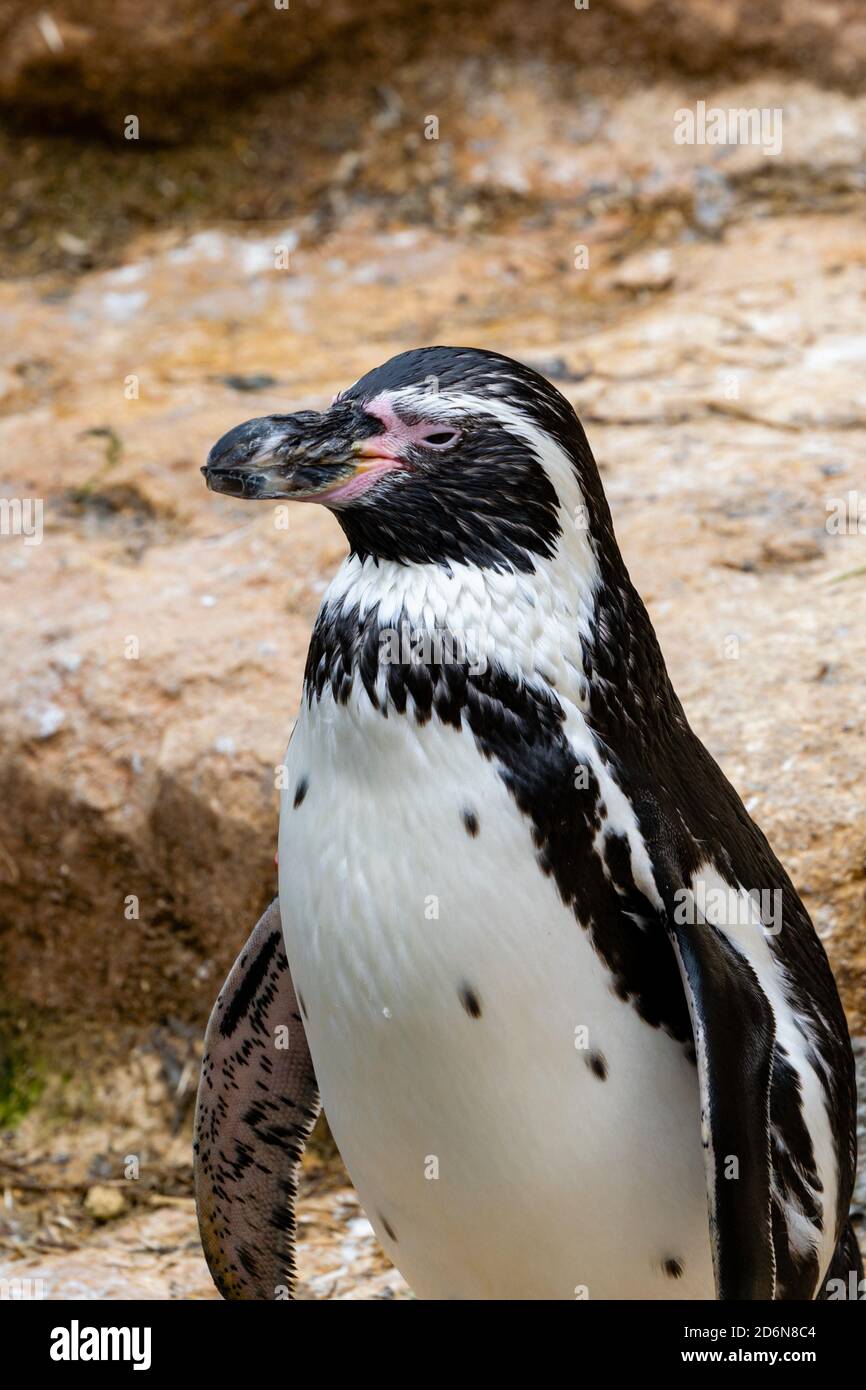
x=514, y=1130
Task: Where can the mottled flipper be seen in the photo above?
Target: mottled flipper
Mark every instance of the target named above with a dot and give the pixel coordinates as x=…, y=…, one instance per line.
x=257, y=1102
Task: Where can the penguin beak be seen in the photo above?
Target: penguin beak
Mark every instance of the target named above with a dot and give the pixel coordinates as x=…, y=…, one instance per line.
x=311, y=456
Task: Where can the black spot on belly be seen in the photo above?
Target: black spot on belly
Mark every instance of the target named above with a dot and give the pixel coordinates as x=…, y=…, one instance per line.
x=302, y=1004
x=673, y=1268
x=470, y=1001
x=301, y=791
x=388, y=1229
x=597, y=1064
x=470, y=820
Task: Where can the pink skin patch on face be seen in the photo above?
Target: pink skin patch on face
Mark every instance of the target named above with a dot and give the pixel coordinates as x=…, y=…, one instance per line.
x=397, y=436
x=383, y=453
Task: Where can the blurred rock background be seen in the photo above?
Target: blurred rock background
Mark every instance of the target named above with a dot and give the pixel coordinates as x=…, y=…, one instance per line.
x=215, y=210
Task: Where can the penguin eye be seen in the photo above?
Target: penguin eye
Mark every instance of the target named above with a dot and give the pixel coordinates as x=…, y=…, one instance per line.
x=442, y=439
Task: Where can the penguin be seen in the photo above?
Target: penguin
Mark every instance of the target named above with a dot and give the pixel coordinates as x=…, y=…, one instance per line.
x=572, y=1027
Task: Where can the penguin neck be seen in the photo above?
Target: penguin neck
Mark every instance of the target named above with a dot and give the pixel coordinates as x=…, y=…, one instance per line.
x=533, y=626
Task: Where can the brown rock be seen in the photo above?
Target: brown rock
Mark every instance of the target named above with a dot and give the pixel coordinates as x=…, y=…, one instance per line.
x=652, y=271
x=105, y=1203
x=89, y=59
x=173, y=62
x=151, y=778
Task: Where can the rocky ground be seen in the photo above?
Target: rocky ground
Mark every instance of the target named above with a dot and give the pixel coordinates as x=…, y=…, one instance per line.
x=703, y=309
x=98, y=1199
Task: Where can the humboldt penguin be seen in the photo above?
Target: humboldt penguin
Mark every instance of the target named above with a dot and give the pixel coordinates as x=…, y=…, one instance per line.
x=572, y=1027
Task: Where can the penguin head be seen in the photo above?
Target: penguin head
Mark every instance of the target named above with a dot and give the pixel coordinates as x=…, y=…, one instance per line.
x=448, y=455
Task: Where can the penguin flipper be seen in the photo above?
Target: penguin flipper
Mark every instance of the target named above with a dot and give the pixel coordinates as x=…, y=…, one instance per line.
x=257, y=1103
x=734, y=1032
